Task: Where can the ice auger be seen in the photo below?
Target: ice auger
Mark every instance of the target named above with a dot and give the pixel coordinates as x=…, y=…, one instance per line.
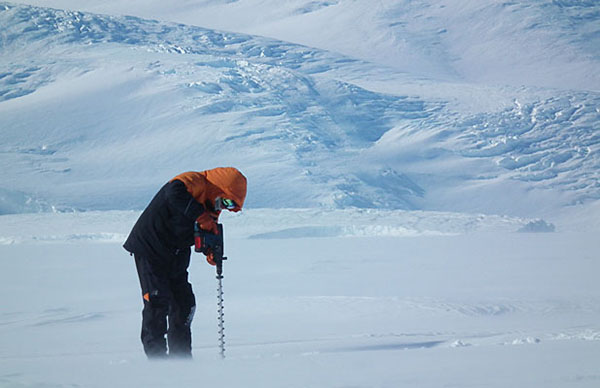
x=207, y=243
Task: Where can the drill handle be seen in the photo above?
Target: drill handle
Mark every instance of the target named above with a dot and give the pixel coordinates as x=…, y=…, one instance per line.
x=207, y=242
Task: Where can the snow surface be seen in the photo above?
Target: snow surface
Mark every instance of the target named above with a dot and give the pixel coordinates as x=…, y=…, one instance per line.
x=401, y=299
x=423, y=204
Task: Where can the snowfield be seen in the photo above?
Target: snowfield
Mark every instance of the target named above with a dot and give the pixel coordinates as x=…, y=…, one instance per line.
x=424, y=189
x=472, y=302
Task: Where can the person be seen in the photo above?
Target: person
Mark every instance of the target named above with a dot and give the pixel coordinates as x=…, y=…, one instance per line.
x=160, y=243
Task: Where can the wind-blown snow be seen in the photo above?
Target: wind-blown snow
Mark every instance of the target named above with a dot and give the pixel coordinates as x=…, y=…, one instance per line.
x=308, y=306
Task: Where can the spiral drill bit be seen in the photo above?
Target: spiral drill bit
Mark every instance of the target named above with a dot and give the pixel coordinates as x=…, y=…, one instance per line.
x=220, y=314
x=212, y=244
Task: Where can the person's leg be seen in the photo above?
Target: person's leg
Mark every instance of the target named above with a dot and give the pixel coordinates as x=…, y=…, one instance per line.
x=154, y=282
x=181, y=311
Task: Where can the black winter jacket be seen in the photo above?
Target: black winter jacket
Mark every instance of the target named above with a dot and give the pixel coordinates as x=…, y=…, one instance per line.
x=166, y=226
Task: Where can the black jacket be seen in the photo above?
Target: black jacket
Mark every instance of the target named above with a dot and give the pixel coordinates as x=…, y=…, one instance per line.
x=166, y=226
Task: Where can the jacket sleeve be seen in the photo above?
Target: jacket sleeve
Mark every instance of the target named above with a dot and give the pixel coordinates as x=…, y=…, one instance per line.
x=182, y=201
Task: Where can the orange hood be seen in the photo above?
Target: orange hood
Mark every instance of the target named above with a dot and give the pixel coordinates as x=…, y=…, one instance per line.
x=226, y=182
x=230, y=181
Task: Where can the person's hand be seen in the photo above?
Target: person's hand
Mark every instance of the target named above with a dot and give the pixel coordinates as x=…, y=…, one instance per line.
x=210, y=258
x=208, y=222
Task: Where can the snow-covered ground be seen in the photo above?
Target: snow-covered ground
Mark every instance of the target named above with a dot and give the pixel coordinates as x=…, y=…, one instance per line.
x=465, y=300
x=423, y=204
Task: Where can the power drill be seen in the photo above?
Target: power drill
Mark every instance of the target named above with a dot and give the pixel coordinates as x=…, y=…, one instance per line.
x=207, y=242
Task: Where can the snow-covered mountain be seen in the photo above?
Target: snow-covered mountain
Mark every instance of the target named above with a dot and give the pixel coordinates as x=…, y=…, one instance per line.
x=542, y=43
x=479, y=107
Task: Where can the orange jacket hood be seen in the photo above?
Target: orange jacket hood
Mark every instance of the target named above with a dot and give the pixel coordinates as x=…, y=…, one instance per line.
x=226, y=182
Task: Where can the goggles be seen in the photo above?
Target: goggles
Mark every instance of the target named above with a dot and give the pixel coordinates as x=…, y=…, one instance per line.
x=224, y=203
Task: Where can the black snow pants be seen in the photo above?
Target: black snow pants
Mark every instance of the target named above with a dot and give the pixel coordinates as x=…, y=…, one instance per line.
x=169, y=305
